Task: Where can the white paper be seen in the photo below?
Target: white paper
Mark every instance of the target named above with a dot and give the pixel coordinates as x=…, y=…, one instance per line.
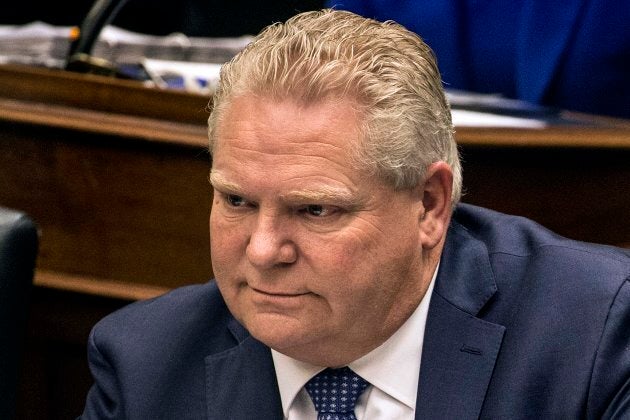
x=465, y=118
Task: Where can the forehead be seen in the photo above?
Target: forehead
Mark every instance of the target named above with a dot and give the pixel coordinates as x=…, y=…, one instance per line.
x=267, y=130
x=284, y=122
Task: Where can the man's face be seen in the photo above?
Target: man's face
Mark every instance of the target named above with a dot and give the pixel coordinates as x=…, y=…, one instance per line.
x=317, y=259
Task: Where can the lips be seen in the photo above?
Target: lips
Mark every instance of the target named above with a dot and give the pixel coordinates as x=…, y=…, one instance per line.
x=278, y=293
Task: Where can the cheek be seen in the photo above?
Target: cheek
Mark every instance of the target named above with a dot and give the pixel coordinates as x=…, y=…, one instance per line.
x=341, y=265
x=331, y=252
x=226, y=244
x=224, y=255
x=360, y=262
x=351, y=249
x=217, y=237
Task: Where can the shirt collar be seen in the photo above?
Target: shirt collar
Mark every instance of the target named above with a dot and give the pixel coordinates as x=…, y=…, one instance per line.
x=393, y=367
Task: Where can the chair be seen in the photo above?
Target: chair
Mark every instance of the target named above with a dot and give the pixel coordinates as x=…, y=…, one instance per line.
x=18, y=251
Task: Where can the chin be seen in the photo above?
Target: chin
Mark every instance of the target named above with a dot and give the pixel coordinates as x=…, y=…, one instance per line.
x=277, y=331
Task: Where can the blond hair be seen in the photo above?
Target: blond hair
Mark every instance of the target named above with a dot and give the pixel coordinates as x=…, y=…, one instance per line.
x=387, y=70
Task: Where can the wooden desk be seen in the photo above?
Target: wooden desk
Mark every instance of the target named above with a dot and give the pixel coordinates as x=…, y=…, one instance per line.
x=115, y=174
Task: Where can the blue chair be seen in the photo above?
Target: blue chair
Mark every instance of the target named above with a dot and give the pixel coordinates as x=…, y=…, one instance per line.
x=18, y=252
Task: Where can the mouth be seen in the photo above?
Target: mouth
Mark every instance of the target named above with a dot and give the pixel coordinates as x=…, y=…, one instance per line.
x=279, y=294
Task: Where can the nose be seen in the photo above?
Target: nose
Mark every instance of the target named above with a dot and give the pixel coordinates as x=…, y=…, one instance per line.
x=269, y=245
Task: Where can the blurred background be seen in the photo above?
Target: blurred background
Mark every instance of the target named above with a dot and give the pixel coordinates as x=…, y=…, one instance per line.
x=212, y=18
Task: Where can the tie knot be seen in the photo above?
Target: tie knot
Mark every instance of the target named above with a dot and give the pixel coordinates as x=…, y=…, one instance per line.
x=335, y=393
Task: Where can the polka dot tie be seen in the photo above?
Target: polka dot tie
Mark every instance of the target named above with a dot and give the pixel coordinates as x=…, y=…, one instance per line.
x=335, y=392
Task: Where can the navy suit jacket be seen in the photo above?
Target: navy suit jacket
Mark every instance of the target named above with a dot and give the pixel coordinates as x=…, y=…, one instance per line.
x=522, y=324
x=572, y=54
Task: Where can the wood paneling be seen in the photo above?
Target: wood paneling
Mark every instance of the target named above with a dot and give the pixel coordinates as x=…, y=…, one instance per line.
x=110, y=206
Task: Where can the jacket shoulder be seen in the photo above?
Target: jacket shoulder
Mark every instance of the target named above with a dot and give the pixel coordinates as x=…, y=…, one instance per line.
x=519, y=236
x=565, y=306
x=527, y=259
x=195, y=313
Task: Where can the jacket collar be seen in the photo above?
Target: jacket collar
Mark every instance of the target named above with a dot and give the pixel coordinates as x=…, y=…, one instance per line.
x=459, y=350
x=241, y=381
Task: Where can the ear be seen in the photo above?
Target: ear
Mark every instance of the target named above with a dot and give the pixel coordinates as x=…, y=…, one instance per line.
x=436, y=200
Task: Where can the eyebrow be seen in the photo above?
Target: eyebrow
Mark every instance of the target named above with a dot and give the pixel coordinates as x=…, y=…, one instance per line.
x=321, y=194
x=218, y=181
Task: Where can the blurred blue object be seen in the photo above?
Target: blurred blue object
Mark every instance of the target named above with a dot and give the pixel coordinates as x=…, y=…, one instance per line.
x=570, y=54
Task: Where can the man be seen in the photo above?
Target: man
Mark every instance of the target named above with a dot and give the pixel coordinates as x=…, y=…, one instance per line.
x=336, y=244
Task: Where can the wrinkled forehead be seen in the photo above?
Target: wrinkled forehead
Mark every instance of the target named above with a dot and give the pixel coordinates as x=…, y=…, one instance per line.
x=305, y=140
x=301, y=96
x=272, y=116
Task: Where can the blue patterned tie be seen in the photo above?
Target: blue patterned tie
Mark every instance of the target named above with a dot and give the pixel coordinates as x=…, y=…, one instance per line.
x=335, y=392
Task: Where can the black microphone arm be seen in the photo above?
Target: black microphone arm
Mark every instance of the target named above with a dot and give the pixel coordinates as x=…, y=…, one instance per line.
x=79, y=55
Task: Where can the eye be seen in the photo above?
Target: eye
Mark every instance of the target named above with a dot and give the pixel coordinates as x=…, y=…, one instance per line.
x=235, y=200
x=317, y=210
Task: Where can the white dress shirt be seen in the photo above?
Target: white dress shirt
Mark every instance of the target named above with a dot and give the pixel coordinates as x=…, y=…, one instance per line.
x=392, y=369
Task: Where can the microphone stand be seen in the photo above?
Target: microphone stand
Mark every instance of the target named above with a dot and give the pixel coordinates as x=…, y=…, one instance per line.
x=79, y=56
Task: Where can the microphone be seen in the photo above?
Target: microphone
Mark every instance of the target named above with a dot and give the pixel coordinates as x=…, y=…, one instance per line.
x=83, y=39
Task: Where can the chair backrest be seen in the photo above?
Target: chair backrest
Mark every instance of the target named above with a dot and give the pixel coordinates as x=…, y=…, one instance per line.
x=18, y=251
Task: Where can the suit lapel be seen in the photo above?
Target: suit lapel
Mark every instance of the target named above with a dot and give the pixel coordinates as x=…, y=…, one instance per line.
x=241, y=382
x=457, y=362
x=459, y=349
x=545, y=34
